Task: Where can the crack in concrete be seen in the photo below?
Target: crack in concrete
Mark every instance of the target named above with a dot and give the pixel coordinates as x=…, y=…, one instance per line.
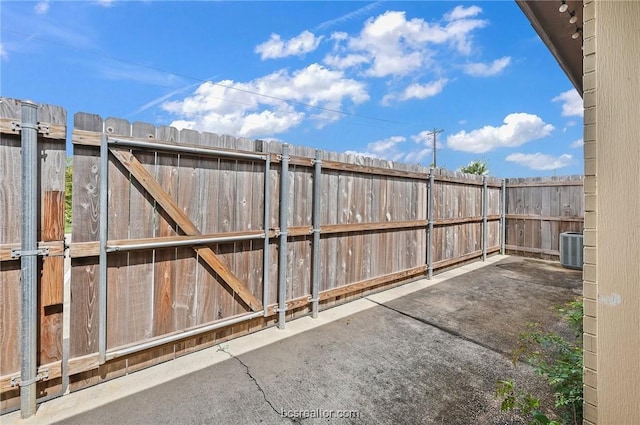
x=440, y=327
x=255, y=381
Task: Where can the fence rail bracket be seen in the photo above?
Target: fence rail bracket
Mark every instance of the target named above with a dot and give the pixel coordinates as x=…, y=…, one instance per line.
x=17, y=252
x=42, y=128
x=16, y=381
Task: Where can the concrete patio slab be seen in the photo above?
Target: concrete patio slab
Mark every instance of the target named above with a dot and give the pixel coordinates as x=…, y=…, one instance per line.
x=425, y=352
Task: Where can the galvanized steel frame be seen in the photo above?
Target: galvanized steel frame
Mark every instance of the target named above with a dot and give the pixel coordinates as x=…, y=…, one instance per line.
x=103, y=354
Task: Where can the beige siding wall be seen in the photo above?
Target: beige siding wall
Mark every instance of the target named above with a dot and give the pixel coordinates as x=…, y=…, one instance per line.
x=590, y=218
x=612, y=216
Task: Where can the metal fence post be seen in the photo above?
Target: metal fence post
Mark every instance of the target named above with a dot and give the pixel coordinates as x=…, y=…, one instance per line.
x=104, y=234
x=430, y=235
x=29, y=258
x=503, y=217
x=315, y=290
x=266, y=259
x=484, y=217
x=282, y=255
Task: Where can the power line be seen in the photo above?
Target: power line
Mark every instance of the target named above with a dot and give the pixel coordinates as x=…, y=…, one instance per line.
x=189, y=77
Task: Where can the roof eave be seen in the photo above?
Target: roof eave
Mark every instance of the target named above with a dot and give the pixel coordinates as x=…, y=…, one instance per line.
x=549, y=33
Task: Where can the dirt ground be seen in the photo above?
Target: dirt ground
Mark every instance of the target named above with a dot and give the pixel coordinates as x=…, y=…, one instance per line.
x=432, y=357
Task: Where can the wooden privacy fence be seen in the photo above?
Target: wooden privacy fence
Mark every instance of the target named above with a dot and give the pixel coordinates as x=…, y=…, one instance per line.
x=51, y=141
x=539, y=210
x=208, y=237
x=205, y=231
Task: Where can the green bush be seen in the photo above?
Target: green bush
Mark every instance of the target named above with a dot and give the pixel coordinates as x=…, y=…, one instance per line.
x=559, y=359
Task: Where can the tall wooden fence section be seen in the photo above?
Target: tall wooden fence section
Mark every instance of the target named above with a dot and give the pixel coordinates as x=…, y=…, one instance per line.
x=51, y=141
x=197, y=224
x=539, y=210
x=460, y=218
x=183, y=239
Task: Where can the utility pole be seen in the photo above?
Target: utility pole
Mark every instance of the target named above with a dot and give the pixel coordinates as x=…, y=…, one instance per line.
x=435, y=133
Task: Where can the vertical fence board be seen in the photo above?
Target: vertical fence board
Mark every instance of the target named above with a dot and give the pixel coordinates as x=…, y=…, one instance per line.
x=120, y=324
x=186, y=262
x=207, y=285
x=256, y=222
x=164, y=288
x=84, y=271
x=226, y=213
x=10, y=232
x=52, y=187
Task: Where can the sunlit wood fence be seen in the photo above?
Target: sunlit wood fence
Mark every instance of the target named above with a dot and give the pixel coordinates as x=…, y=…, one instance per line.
x=184, y=239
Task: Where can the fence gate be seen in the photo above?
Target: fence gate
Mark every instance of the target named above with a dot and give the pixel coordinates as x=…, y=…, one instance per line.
x=35, y=369
x=169, y=236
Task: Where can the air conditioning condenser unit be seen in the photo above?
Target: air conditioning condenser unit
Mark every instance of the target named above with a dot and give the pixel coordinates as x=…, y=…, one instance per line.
x=571, y=250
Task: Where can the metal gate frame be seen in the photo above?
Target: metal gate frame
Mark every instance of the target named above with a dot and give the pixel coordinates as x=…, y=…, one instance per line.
x=117, y=148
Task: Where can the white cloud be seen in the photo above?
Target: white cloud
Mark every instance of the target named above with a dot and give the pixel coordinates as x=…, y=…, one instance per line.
x=275, y=47
x=568, y=125
x=3, y=52
x=347, y=61
x=238, y=108
x=518, y=129
x=571, y=103
x=424, y=137
x=540, y=161
x=417, y=91
x=577, y=144
x=339, y=36
x=479, y=69
x=392, y=45
x=42, y=7
x=422, y=91
x=382, y=147
x=461, y=12
x=391, y=150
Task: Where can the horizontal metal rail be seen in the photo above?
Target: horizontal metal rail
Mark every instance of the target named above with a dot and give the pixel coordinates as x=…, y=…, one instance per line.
x=185, y=149
x=185, y=242
x=180, y=335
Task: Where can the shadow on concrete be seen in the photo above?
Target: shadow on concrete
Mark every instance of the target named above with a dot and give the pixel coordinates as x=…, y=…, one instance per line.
x=432, y=357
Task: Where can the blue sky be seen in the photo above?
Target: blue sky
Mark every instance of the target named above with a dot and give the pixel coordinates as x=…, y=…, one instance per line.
x=365, y=77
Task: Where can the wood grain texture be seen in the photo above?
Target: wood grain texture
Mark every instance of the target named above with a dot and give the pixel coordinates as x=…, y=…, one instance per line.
x=120, y=309
x=51, y=229
x=227, y=193
x=185, y=301
x=84, y=272
x=10, y=233
x=130, y=275
x=169, y=206
x=207, y=287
